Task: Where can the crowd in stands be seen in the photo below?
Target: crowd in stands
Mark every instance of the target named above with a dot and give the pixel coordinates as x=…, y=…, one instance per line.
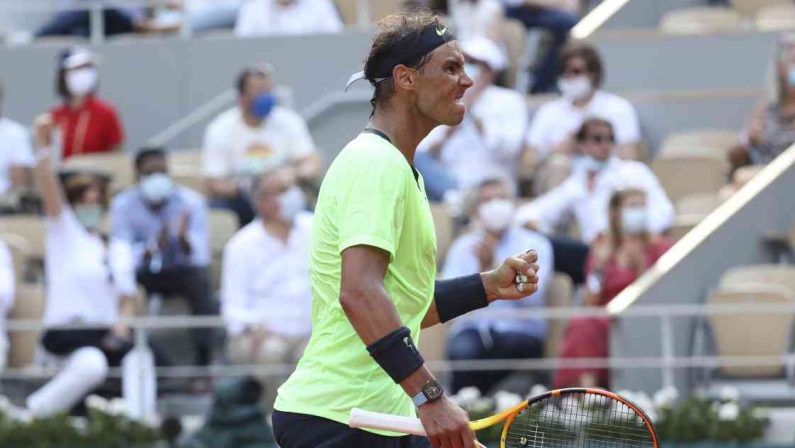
x=596, y=212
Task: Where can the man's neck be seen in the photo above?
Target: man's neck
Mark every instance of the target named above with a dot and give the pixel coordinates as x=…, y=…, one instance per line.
x=584, y=101
x=250, y=120
x=404, y=126
x=277, y=229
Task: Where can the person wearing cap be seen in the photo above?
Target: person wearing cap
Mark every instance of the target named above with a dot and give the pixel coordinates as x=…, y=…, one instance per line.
x=87, y=124
x=256, y=136
x=488, y=141
x=258, y=18
x=372, y=259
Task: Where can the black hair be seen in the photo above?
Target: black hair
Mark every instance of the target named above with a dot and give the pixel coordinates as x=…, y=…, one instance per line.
x=241, y=82
x=147, y=152
x=589, y=123
x=593, y=62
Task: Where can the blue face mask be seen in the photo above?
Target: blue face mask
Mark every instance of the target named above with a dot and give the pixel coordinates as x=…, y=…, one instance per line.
x=791, y=75
x=262, y=105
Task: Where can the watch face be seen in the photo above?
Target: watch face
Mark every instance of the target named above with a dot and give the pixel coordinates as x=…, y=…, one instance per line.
x=433, y=390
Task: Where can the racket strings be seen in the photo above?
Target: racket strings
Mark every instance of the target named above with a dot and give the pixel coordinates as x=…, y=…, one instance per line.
x=578, y=420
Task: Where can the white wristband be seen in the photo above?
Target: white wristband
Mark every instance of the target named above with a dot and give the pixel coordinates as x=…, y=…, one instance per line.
x=43, y=153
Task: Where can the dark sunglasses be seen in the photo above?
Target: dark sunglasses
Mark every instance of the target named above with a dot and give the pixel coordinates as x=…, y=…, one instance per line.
x=599, y=138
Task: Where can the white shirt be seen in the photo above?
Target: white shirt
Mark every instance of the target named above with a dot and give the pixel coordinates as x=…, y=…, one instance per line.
x=6, y=287
x=232, y=148
x=591, y=208
x=477, y=18
x=471, y=157
x=462, y=260
x=266, y=281
x=15, y=150
x=268, y=18
x=85, y=277
x=558, y=119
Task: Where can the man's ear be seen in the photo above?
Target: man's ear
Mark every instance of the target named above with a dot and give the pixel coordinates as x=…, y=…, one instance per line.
x=404, y=77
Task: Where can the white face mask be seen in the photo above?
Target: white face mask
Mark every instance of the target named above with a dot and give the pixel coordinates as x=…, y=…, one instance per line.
x=472, y=70
x=89, y=215
x=634, y=220
x=591, y=164
x=291, y=202
x=575, y=88
x=156, y=187
x=496, y=215
x=82, y=81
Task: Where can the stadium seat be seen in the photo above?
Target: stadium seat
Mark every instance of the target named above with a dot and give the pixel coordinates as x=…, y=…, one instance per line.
x=223, y=225
x=194, y=181
x=719, y=140
x=185, y=160
x=515, y=36
x=751, y=334
x=376, y=9
x=28, y=304
x=776, y=17
x=700, y=204
x=700, y=20
x=685, y=175
x=443, y=223
x=19, y=255
x=769, y=274
x=116, y=164
x=30, y=229
x=751, y=7
x=560, y=294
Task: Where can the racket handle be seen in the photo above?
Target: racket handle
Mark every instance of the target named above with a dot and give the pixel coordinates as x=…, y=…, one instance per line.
x=374, y=420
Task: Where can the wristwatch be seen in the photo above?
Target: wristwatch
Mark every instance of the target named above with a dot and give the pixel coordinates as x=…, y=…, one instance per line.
x=429, y=393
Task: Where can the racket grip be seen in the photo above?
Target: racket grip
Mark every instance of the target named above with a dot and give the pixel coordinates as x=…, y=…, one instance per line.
x=360, y=418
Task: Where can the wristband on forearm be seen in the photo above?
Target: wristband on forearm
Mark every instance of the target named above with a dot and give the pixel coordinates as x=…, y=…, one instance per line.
x=458, y=296
x=396, y=354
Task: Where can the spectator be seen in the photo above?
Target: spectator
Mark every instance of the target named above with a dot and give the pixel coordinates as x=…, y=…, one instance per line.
x=6, y=298
x=205, y=15
x=287, y=17
x=554, y=125
x=253, y=137
x=616, y=259
x=166, y=226
x=16, y=154
x=87, y=124
x=265, y=293
x=488, y=141
x=90, y=280
x=476, y=18
x=555, y=16
x=586, y=193
x=495, y=239
x=73, y=21
x=771, y=127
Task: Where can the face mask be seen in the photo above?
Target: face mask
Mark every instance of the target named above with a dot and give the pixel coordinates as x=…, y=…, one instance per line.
x=496, y=215
x=472, y=70
x=633, y=220
x=791, y=75
x=574, y=88
x=291, y=202
x=262, y=105
x=591, y=164
x=82, y=81
x=156, y=187
x=89, y=215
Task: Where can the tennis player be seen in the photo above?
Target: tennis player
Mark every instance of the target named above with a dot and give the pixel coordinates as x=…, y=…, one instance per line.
x=373, y=260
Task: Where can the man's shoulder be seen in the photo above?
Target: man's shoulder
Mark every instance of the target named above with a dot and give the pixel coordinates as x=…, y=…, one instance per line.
x=189, y=195
x=529, y=238
x=551, y=109
x=285, y=114
x=102, y=106
x=497, y=93
x=124, y=198
x=225, y=119
x=11, y=127
x=246, y=237
x=608, y=102
x=370, y=152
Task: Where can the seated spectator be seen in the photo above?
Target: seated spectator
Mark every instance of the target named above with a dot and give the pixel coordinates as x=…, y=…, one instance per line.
x=206, y=15
x=7, y=283
x=90, y=280
x=771, y=127
x=557, y=17
x=287, y=17
x=553, y=128
x=86, y=123
x=488, y=141
x=586, y=193
x=616, y=259
x=16, y=155
x=77, y=22
x=476, y=18
x=265, y=293
x=166, y=225
x=494, y=239
x=256, y=136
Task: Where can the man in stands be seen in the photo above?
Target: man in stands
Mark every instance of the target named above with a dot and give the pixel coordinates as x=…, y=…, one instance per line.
x=256, y=136
x=16, y=154
x=586, y=192
x=488, y=141
x=166, y=224
x=493, y=237
x=265, y=293
x=287, y=17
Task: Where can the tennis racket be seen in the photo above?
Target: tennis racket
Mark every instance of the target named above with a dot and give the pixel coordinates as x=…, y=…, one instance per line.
x=576, y=417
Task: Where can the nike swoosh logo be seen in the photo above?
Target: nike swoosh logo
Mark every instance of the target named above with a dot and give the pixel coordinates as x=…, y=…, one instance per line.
x=440, y=32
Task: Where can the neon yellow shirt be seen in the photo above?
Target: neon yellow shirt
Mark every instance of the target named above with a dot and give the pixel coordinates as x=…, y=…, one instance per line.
x=369, y=196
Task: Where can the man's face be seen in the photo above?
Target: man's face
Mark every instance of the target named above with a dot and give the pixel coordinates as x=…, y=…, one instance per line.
x=152, y=164
x=576, y=67
x=255, y=86
x=270, y=188
x=598, y=142
x=491, y=192
x=440, y=85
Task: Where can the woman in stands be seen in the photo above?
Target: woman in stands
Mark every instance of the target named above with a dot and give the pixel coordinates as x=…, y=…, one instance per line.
x=89, y=280
x=86, y=123
x=615, y=261
x=771, y=127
